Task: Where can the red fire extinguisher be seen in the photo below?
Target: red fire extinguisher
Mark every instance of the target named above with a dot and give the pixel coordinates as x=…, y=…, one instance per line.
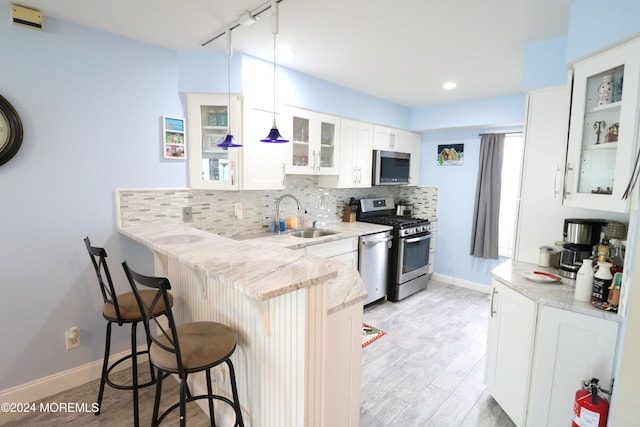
x=590, y=409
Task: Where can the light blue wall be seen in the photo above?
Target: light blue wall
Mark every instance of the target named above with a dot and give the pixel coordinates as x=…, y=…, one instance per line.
x=544, y=64
x=91, y=106
x=596, y=24
x=206, y=72
x=456, y=195
x=483, y=112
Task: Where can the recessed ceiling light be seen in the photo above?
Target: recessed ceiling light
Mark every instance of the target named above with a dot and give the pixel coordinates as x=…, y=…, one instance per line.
x=449, y=85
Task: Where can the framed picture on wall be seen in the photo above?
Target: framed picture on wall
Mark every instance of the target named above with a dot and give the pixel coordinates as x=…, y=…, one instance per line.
x=173, y=138
x=451, y=154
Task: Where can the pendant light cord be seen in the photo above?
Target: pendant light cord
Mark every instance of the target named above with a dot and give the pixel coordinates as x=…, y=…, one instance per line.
x=274, y=79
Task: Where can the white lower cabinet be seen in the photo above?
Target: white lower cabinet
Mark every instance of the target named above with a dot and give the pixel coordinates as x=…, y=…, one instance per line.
x=538, y=355
x=510, y=341
x=344, y=251
x=343, y=345
x=570, y=347
x=343, y=367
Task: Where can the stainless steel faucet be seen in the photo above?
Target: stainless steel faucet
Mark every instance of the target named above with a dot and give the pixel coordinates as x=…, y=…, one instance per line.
x=291, y=196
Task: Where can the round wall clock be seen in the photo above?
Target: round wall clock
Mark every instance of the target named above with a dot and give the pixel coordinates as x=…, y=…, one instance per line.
x=10, y=131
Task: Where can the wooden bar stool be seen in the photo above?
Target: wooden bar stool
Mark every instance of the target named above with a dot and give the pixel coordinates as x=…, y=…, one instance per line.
x=121, y=309
x=184, y=349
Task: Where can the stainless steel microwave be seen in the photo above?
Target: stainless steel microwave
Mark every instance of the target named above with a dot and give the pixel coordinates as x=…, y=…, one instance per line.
x=390, y=167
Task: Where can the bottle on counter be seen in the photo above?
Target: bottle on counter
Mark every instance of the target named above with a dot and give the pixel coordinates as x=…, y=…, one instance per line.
x=584, y=281
x=601, y=282
x=603, y=249
x=614, y=291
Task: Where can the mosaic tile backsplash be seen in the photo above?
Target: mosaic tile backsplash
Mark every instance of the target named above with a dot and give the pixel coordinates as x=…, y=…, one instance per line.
x=214, y=210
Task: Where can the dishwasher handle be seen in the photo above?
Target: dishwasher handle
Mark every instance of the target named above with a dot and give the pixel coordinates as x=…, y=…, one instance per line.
x=374, y=242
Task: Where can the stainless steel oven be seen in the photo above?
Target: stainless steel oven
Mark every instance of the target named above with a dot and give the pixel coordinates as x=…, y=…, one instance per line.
x=411, y=263
x=409, y=258
x=413, y=256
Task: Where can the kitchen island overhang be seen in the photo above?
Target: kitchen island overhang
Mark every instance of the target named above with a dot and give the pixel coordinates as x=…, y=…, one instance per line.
x=278, y=302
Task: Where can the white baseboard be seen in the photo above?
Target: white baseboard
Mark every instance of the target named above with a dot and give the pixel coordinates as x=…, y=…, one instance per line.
x=62, y=381
x=450, y=280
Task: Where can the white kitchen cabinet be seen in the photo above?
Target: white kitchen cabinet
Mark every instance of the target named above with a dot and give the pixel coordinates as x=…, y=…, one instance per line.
x=570, y=348
x=344, y=251
x=604, y=128
x=211, y=118
x=356, y=154
x=385, y=138
x=343, y=367
x=389, y=139
x=510, y=341
x=263, y=164
x=314, y=142
x=545, y=145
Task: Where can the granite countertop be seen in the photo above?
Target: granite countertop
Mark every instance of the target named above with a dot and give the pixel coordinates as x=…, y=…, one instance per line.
x=261, y=266
x=556, y=294
x=344, y=230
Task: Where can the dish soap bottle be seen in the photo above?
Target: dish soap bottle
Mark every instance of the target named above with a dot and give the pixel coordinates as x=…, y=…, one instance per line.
x=584, y=281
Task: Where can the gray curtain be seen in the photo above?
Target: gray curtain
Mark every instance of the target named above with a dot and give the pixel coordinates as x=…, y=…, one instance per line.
x=486, y=211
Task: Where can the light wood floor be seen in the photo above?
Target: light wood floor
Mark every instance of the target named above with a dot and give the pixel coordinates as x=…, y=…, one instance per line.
x=426, y=371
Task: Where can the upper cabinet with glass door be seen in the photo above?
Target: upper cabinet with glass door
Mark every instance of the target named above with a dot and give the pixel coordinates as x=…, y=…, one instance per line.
x=604, y=129
x=210, y=119
x=314, y=142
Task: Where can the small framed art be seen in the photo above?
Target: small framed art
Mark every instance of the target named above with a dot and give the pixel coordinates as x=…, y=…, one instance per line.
x=173, y=138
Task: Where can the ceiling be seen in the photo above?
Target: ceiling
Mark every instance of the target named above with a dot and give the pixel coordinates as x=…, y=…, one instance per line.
x=400, y=50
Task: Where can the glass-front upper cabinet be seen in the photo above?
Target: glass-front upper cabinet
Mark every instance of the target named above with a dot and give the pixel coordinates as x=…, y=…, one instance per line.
x=604, y=129
x=210, y=120
x=314, y=139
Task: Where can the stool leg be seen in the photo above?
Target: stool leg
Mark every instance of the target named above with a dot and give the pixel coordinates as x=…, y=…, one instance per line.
x=156, y=403
x=105, y=366
x=210, y=399
x=234, y=391
x=151, y=370
x=134, y=372
x=183, y=403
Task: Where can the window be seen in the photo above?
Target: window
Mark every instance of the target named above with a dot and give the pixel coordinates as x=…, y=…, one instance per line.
x=509, y=200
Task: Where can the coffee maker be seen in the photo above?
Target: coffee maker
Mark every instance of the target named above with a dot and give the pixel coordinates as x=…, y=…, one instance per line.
x=579, y=236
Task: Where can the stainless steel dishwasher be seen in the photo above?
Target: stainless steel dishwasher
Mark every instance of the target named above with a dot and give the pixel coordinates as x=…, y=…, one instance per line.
x=373, y=264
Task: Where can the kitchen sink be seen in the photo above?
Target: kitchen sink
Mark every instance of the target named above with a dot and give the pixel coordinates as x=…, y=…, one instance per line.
x=309, y=233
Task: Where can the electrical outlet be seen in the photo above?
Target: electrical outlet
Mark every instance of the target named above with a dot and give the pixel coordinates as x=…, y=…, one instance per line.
x=72, y=338
x=187, y=214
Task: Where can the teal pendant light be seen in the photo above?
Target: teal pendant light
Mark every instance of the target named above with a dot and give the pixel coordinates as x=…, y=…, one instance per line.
x=274, y=134
x=229, y=141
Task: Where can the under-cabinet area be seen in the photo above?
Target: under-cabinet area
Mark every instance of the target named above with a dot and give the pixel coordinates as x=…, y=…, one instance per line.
x=541, y=345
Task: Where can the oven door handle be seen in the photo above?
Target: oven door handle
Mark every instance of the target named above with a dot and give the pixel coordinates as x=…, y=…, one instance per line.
x=417, y=239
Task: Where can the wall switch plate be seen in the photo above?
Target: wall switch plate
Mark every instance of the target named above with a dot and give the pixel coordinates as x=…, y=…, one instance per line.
x=237, y=208
x=187, y=214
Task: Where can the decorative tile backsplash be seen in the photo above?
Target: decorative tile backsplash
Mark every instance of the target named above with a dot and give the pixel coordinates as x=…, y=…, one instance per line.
x=214, y=210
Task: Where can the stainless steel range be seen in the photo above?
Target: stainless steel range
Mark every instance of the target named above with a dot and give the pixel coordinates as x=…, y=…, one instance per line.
x=409, y=260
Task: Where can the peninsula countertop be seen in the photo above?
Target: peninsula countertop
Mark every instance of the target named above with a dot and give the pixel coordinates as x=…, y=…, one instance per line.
x=556, y=294
x=261, y=266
